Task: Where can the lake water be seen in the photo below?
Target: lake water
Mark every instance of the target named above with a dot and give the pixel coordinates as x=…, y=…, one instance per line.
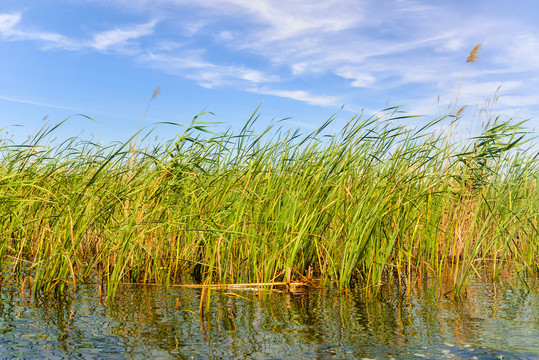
x=490, y=321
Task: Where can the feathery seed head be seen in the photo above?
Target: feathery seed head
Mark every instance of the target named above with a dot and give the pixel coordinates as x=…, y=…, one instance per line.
x=156, y=91
x=473, y=54
x=461, y=110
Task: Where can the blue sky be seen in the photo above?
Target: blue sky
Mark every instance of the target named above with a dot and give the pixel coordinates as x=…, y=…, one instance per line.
x=302, y=59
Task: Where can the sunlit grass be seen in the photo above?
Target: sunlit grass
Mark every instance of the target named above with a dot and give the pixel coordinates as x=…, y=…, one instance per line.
x=372, y=203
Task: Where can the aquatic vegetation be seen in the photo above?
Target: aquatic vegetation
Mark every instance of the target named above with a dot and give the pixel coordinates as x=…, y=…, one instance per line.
x=372, y=203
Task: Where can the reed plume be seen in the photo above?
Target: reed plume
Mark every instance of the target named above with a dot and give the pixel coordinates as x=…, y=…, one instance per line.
x=156, y=93
x=461, y=110
x=472, y=58
x=474, y=54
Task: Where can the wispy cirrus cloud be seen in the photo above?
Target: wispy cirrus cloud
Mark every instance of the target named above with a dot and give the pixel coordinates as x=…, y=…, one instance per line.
x=352, y=45
x=119, y=36
x=299, y=95
x=191, y=65
x=38, y=103
x=11, y=29
x=169, y=56
x=8, y=22
x=10, y=32
x=372, y=45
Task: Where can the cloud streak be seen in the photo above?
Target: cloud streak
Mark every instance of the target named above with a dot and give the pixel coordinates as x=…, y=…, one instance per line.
x=119, y=36
x=191, y=65
x=38, y=103
x=299, y=95
x=11, y=30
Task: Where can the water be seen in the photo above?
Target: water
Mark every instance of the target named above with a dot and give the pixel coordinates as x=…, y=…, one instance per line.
x=492, y=321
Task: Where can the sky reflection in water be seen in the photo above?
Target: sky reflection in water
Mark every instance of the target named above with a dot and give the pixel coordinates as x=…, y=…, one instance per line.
x=490, y=322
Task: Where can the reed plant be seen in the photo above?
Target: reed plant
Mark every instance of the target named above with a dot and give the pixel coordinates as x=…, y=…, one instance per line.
x=372, y=203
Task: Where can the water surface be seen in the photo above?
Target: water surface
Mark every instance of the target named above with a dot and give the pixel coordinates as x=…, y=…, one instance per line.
x=491, y=321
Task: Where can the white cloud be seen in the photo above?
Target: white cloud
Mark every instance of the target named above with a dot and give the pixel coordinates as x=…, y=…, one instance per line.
x=485, y=89
x=299, y=95
x=295, y=18
x=10, y=32
x=170, y=56
x=520, y=52
x=272, y=20
x=361, y=77
x=8, y=21
x=404, y=49
x=518, y=101
x=190, y=64
x=119, y=36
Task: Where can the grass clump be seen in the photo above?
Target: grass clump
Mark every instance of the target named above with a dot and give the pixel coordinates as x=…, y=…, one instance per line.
x=371, y=203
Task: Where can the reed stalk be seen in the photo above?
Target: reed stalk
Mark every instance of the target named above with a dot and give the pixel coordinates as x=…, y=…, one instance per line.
x=372, y=203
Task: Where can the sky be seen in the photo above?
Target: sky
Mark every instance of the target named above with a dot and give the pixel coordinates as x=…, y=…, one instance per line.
x=300, y=60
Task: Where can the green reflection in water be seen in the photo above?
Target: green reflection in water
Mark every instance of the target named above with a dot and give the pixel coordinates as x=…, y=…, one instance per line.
x=489, y=322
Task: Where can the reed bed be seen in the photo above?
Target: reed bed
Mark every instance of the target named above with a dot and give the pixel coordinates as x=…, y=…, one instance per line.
x=372, y=203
